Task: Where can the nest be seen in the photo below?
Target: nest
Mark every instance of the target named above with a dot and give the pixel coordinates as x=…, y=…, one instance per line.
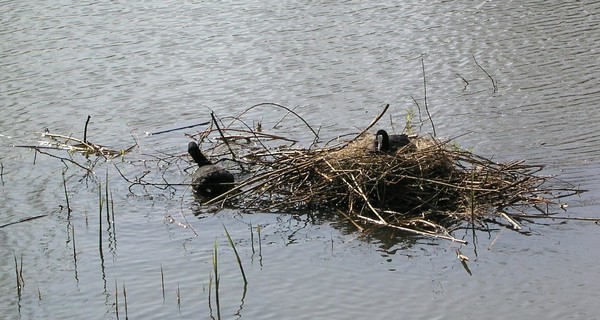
x=427, y=187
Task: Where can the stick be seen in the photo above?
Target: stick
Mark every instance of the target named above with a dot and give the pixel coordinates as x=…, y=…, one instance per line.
x=351, y=220
x=371, y=124
x=85, y=129
x=422, y=233
x=2, y=173
x=283, y=107
x=465, y=80
x=23, y=220
x=269, y=176
x=534, y=216
x=175, y=129
x=214, y=119
x=495, y=86
x=66, y=196
x=425, y=94
x=515, y=225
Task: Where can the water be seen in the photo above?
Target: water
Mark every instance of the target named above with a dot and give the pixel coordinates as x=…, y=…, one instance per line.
x=146, y=66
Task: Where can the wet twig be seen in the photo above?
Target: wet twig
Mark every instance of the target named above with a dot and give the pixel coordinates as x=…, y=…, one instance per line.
x=494, y=84
x=23, y=220
x=425, y=98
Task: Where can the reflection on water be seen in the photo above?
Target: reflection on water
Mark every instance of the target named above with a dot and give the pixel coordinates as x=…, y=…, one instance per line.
x=147, y=66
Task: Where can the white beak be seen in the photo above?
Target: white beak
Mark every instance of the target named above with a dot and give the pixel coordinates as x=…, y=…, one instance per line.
x=379, y=142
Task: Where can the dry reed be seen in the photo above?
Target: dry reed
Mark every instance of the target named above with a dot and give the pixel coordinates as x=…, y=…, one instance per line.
x=428, y=187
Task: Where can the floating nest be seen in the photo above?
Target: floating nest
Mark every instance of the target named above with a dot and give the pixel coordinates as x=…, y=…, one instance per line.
x=429, y=187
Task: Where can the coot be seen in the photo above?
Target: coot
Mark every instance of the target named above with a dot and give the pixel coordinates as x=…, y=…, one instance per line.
x=209, y=179
x=385, y=142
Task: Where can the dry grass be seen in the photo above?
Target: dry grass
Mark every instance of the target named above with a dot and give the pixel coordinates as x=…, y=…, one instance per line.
x=427, y=187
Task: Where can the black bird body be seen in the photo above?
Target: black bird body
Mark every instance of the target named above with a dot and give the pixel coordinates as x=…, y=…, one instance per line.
x=387, y=143
x=209, y=180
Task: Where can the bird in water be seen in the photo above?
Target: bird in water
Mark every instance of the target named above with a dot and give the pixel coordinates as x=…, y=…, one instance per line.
x=209, y=179
x=386, y=143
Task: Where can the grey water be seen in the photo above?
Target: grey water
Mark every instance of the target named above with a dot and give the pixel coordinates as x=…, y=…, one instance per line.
x=510, y=80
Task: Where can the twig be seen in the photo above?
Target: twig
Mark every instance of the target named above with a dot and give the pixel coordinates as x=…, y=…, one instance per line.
x=351, y=220
x=279, y=106
x=214, y=119
x=422, y=233
x=385, y=108
x=465, y=80
x=540, y=216
x=188, y=224
x=494, y=84
x=66, y=195
x=23, y=220
x=255, y=134
x=515, y=225
x=85, y=129
x=2, y=173
x=284, y=116
x=419, y=111
x=425, y=97
x=37, y=149
x=265, y=178
x=175, y=129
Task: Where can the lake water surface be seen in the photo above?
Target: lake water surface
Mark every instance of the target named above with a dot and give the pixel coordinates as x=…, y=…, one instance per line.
x=137, y=66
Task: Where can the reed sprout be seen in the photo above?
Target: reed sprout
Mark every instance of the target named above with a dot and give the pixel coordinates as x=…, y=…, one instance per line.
x=237, y=256
x=162, y=281
x=216, y=278
x=116, y=300
x=125, y=302
x=19, y=275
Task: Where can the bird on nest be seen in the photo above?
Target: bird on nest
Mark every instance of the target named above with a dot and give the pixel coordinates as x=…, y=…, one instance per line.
x=389, y=143
x=209, y=180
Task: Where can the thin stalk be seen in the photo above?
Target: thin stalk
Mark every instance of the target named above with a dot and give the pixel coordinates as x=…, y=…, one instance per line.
x=116, y=299
x=100, y=219
x=259, y=243
x=494, y=84
x=66, y=196
x=252, y=238
x=217, y=280
x=106, y=189
x=162, y=281
x=112, y=213
x=19, y=284
x=85, y=129
x=125, y=301
x=473, y=214
x=210, y=281
x=74, y=252
x=21, y=272
x=425, y=98
x=23, y=220
x=214, y=119
x=237, y=256
x=178, y=297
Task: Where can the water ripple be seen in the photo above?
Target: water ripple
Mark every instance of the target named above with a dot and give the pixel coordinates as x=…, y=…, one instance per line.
x=136, y=66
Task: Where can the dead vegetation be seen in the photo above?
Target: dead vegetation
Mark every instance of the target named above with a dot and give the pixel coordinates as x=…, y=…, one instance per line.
x=429, y=187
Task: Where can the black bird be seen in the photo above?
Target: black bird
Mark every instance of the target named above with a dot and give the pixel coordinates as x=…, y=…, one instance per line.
x=209, y=179
x=385, y=142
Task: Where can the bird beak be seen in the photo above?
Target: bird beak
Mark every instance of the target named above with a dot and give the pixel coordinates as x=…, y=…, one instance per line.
x=379, y=142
